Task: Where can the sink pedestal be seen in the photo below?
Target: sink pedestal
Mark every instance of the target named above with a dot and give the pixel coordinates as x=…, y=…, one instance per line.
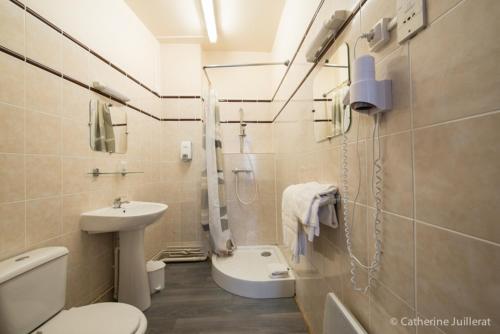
x=133, y=284
x=129, y=221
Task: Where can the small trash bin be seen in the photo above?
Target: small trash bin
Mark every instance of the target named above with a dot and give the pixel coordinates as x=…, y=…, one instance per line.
x=156, y=275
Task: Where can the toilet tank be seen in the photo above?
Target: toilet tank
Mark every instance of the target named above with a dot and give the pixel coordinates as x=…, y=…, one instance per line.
x=32, y=289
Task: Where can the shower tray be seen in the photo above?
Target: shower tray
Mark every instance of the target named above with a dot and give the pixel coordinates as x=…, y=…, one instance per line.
x=245, y=273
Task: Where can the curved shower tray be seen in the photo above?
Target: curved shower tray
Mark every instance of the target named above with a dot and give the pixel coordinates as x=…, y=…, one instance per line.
x=245, y=273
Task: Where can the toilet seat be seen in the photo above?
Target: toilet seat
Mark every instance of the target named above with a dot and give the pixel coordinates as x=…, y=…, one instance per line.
x=101, y=318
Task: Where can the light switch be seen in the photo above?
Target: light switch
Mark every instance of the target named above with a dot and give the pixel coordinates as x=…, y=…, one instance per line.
x=411, y=18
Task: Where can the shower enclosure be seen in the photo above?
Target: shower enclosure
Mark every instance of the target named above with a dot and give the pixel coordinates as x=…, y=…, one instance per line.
x=246, y=270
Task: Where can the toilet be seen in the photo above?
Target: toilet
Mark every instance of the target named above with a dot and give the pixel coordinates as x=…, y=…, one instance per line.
x=32, y=297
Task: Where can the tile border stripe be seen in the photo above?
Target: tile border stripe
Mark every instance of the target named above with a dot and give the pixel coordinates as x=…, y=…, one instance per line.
x=115, y=67
x=12, y=53
x=245, y=101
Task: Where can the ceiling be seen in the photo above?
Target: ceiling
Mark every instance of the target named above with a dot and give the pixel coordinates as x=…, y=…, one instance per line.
x=242, y=25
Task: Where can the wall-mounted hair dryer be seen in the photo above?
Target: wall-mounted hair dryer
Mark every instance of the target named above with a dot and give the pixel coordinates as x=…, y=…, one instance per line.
x=366, y=94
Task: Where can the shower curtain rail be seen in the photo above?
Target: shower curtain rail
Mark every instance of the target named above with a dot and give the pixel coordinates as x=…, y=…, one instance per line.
x=285, y=63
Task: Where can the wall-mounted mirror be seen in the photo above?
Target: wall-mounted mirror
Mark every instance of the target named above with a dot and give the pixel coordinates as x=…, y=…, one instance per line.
x=331, y=84
x=108, y=127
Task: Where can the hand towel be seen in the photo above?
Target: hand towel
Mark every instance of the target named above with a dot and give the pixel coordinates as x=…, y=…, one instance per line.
x=301, y=214
x=102, y=130
x=109, y=132
x=293, y=234
x=309, y=199
x=327, y=213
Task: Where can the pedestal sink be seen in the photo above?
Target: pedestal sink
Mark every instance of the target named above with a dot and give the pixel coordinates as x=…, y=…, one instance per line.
x=129, y=221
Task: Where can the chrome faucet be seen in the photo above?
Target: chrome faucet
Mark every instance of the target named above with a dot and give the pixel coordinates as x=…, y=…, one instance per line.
x=117, y=203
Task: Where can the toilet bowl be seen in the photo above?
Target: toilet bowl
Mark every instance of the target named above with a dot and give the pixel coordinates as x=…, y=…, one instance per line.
x=33, y=294
x=102, y=318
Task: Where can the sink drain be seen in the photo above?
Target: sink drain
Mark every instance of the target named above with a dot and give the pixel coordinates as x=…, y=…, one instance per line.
x=265, y=254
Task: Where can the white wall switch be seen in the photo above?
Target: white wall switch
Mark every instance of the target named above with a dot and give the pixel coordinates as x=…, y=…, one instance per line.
x=411, y=18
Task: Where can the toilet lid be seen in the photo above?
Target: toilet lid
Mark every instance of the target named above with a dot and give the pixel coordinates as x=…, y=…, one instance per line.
x=105, y=318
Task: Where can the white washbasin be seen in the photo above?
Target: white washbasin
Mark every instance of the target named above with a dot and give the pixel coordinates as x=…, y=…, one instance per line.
x=131, y=216
x=130, y=221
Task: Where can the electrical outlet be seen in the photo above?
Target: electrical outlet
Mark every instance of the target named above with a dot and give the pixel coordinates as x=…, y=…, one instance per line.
x=411, y=18
x=380, y=36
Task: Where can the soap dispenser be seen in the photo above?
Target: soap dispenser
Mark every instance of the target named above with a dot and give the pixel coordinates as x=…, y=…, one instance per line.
x=186, y=150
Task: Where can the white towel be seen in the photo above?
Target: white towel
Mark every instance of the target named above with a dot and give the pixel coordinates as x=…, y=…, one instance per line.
x=301, y=214
x=327, y=214
x=277, y=270
x=293, y=234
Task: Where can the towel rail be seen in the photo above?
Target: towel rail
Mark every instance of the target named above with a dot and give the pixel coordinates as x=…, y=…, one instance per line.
x=332, y=200
x=237, y=170
x=96, y=172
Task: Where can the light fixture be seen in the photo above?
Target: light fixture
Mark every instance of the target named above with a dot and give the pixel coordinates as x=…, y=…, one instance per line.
x=328, y=30
x=209, y=14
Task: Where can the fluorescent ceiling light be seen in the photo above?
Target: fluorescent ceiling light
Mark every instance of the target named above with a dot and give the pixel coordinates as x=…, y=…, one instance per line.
x=209, y=14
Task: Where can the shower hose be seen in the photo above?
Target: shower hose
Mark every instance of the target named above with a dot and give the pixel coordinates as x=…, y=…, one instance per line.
x=254, y=181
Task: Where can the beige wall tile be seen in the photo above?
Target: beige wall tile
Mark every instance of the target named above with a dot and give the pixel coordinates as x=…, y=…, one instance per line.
x=357, y=175
x=396, y=67
x=11, y=27
x=77, y=243
x=43, y=133
x=77, y=286
x=43, y=219
x=43, y=176
x=75, y=102
x=11, y=80
x=253, y=223
x=457, y=276
x=335, y=266
x=12, y=125
x=173, y=225
x=12, y=229
x=103, y=278
x=331, y=168
x=43, y=43
x=12, y=178
x=358, y=217
x=397, y=268
x=76, y=138
x=449, y=87
x=72, y=207
x=384, y=307
x=428, y=329
x=397, y=176
x=75, y=175
x=190, y=227
x=457, y=173
x=357, y=302
x=437, y=8
x=43, y=91
x=75, y=62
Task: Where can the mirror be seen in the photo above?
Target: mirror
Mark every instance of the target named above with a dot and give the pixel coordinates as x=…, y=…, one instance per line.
x=108, y=127
x=330, y=85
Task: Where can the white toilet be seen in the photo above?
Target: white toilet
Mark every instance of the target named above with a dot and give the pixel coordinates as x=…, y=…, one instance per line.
x=32, y=296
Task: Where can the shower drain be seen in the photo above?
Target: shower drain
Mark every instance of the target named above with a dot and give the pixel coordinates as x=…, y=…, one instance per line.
x=265, y=254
